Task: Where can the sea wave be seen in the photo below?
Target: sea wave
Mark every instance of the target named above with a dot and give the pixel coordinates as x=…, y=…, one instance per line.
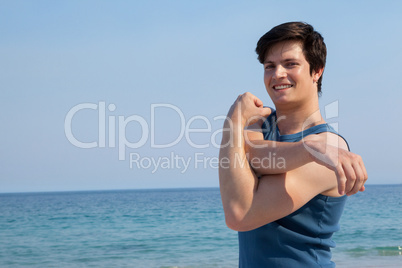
x=375, y=251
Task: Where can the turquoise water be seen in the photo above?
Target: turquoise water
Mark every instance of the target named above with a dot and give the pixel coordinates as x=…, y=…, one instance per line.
x=171, y=228
x=371, y=229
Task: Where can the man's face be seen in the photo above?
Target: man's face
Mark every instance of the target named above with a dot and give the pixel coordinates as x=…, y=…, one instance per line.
x=287, y=75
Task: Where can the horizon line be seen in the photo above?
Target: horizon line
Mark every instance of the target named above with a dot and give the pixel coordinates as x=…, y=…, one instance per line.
x=146, y=189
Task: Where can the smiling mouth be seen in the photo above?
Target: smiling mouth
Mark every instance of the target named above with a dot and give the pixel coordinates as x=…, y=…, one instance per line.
x=279, y=87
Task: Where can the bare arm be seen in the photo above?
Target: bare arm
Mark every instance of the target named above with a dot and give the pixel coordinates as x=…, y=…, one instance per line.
x=261, y=153
x=238, y=182
x=326, y=149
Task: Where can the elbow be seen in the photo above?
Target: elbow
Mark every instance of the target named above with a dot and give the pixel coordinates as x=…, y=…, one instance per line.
x=232, y=224
x=239, y=222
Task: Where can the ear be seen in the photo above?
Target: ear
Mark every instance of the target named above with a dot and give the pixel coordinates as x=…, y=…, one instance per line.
x=317, y=74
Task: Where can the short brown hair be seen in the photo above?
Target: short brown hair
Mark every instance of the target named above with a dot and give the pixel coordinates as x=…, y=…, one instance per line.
x=314, y=48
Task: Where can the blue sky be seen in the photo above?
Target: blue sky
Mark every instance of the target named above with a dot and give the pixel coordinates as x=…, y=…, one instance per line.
x=196, y=56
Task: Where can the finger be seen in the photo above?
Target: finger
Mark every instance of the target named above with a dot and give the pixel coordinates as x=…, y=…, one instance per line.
x=258, y=102
x=340, y=175
x=265, y=112
x=365, y=176
x=363, y=167
x=350, y=177
x=359, y=179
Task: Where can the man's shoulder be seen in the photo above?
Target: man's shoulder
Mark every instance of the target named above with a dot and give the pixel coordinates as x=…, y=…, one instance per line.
x=268, y=127
x=333, y=139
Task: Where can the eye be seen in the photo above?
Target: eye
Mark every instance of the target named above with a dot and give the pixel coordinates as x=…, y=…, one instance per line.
x=291, y=64
x=269, y=67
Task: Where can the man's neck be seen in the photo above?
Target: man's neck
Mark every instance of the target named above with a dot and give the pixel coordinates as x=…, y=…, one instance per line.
x=296, y=119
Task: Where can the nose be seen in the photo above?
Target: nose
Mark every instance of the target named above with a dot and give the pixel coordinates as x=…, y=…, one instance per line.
x=280, y=72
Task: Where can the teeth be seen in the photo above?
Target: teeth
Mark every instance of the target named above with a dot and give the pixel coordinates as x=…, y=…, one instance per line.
x=282, y=86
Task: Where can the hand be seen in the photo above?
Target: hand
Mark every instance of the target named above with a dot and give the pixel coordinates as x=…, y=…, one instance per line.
x=348, y=167
x=247, y=110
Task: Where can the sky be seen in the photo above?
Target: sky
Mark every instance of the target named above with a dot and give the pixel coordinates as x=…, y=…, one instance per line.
x=102, y=95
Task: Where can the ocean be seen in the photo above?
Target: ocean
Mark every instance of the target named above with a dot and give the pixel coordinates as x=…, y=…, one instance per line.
x=171, y=228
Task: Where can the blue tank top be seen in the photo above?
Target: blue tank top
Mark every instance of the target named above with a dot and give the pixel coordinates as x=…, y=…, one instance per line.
x=301, y=239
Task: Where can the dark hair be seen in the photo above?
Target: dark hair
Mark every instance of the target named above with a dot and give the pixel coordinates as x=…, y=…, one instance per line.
x=313, y=45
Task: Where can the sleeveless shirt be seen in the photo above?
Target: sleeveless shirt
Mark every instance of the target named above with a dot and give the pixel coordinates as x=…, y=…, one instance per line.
x=301, y=239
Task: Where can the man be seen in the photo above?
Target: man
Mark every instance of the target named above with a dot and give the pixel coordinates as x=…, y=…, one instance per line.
x=286, y=210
